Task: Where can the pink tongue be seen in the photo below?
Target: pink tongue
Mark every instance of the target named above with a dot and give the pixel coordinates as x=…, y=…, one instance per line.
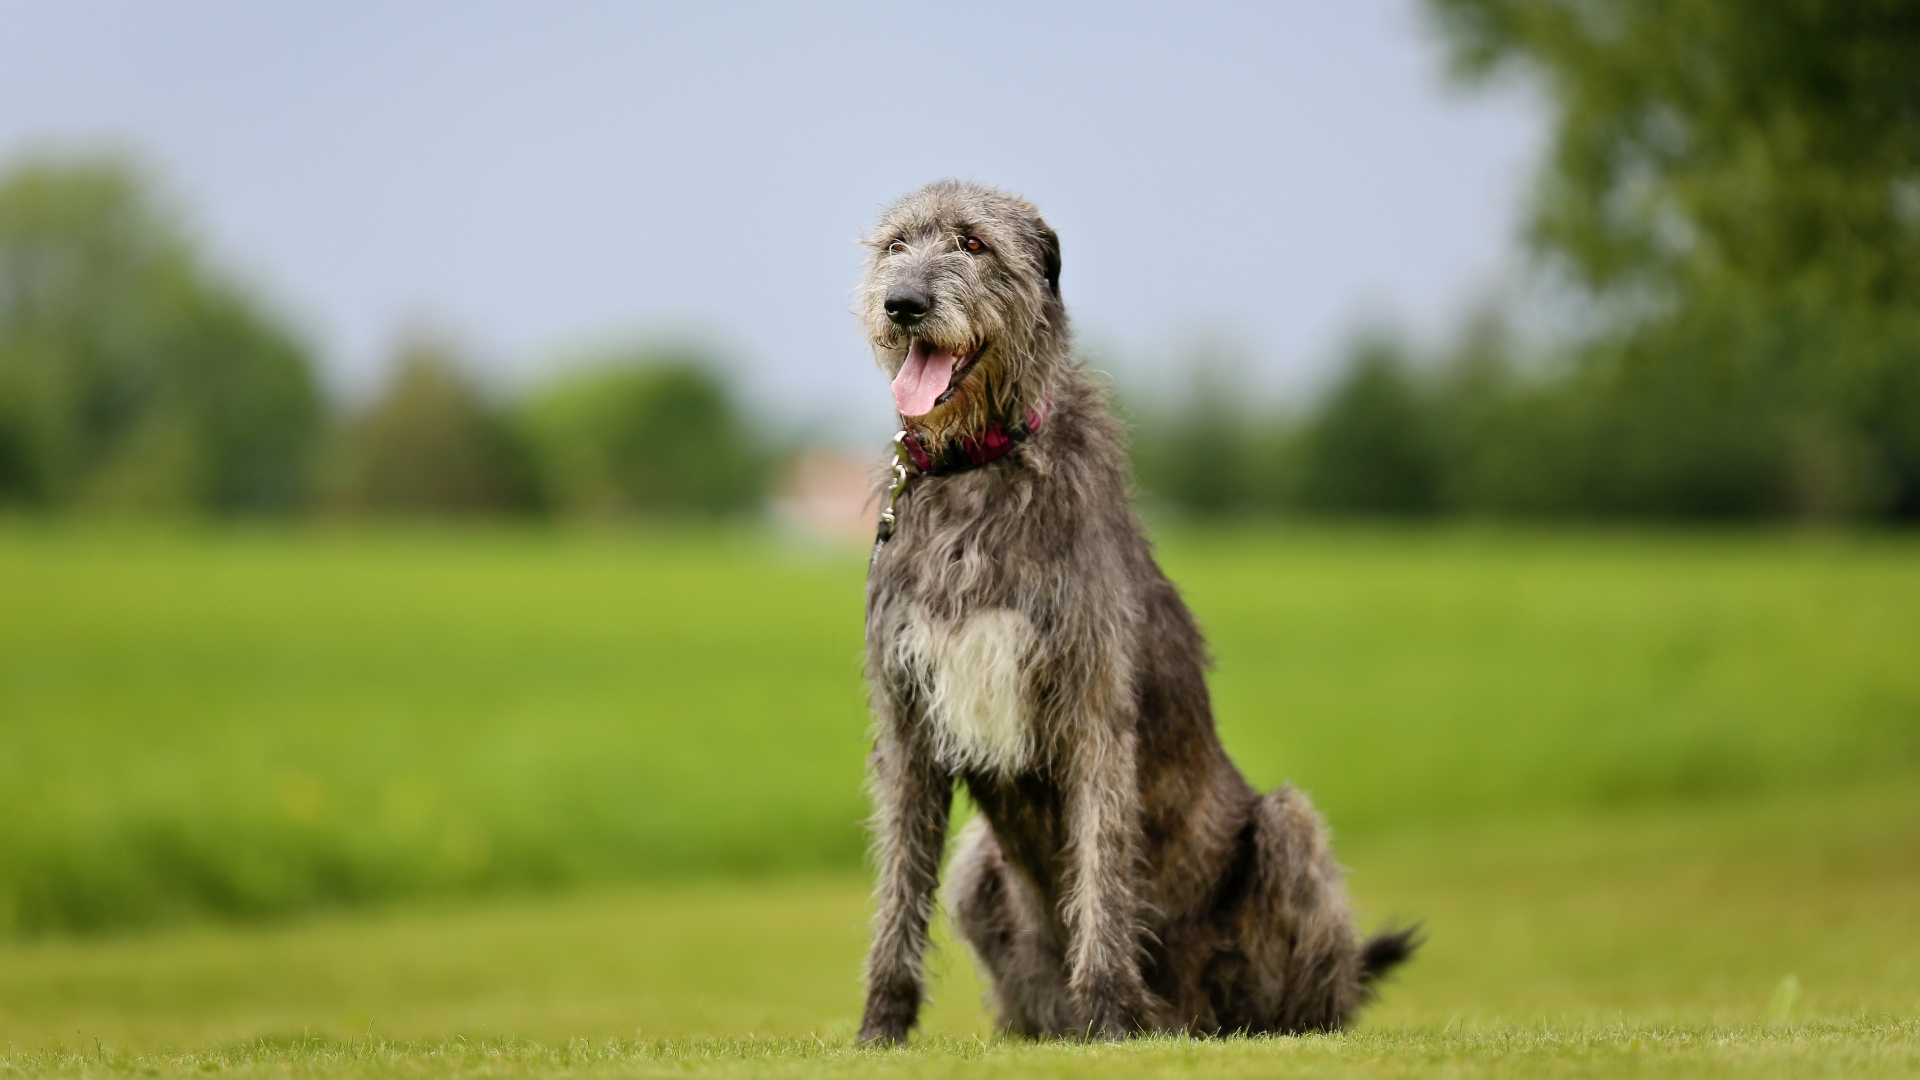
x=922, y=379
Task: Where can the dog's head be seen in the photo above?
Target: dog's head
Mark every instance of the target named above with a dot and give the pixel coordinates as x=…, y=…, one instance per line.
x=961, y=300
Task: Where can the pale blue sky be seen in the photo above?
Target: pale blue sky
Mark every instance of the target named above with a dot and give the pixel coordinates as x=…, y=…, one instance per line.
x=532, y=176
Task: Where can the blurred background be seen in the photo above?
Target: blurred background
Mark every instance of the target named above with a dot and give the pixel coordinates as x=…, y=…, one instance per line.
x=434, y=445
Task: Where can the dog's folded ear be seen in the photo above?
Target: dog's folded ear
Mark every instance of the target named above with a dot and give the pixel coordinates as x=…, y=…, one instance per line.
x=1050, y=258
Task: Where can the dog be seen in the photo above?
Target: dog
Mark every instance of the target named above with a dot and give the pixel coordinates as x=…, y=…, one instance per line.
x=1121, y=876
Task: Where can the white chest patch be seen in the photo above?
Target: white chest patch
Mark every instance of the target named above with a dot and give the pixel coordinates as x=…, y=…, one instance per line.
x=978, y=692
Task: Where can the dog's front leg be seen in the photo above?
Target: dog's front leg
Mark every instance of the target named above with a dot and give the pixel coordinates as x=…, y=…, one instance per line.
x=913, y=796
x=1103, y=969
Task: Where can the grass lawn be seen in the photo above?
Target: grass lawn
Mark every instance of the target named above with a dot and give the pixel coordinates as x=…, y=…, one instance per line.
x=1758, y=938
x=244, y=724
x=495, y=802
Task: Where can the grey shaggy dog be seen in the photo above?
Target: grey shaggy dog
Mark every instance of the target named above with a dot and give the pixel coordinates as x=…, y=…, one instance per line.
x=1122, y=876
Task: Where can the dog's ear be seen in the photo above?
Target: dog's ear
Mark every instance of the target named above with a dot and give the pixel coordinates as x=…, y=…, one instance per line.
x=1050, y=258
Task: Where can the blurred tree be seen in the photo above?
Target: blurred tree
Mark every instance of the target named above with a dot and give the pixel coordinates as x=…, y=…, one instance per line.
x=1205, y=452
x=1373, y=446
x=129, y=376
x=647, y=432
x=1737, y=187
x=1703, y=139
x=432, y=444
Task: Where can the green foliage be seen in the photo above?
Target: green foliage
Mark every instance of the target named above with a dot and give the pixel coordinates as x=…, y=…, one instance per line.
x=1736, y=187
x=1734, y=191
x=1630, y=433
x=431, y=445
x=1209, y=455
x=247, y=725
x=1371, y=448
x=133, y=379
x=650, y=433
x=1704, y=141
x=130, y=377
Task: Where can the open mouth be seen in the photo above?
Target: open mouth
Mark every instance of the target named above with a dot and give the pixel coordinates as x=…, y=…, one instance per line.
x=929, y=377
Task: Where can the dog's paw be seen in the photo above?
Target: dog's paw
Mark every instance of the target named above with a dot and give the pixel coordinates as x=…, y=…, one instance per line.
x=882, y=1035
x=888, y=1019
x=1112, y=1021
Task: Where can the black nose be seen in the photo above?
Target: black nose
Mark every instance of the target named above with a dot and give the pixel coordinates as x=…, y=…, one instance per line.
x=907, y=305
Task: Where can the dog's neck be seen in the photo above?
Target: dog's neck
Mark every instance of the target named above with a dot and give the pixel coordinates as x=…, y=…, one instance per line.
x=972, y=449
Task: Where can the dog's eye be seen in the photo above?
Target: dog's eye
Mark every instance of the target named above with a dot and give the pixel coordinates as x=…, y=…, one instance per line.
x=972, y=243
x=898, y=247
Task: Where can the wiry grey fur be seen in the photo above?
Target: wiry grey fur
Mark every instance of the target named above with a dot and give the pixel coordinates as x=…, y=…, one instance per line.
x=1122, y=875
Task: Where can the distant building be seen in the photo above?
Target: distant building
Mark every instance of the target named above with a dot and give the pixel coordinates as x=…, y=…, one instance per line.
x=827, y=494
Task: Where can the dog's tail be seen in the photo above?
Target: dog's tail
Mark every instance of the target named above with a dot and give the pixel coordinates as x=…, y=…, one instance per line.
x=1387, y=950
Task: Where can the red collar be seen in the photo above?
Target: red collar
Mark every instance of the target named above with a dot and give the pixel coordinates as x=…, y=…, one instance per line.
x=975, y=450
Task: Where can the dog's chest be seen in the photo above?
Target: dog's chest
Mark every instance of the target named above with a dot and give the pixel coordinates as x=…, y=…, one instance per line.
x=974, y=677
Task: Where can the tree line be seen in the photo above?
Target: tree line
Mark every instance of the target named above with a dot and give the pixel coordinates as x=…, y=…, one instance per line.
x=1728, y=216
x=1711, y=430
x=135, y=378
x=1730, y=210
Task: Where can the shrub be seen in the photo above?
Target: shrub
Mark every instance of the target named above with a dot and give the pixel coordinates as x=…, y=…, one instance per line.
x=644, y=433
x=1373, y=447
x=431, y=445
x=130, y=376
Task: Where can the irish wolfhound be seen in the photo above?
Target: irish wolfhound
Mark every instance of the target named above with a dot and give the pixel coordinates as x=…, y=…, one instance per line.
x=1121, y=876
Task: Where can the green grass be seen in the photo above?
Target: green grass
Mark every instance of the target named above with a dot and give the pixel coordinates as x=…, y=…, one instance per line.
x=1656, y=797
x=1861, y=1049
x=246, y=724
x=1770, y=937
x=253, y=723
x=1401, y=676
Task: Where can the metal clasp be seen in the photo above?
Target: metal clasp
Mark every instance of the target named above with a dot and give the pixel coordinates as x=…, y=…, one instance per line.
x=900, y=460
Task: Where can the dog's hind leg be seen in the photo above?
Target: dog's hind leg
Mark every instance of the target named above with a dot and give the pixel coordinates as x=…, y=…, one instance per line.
x=1011, y=939
x=1304, y=967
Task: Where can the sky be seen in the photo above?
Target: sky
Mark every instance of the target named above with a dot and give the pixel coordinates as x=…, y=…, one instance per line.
x=1261, y=180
